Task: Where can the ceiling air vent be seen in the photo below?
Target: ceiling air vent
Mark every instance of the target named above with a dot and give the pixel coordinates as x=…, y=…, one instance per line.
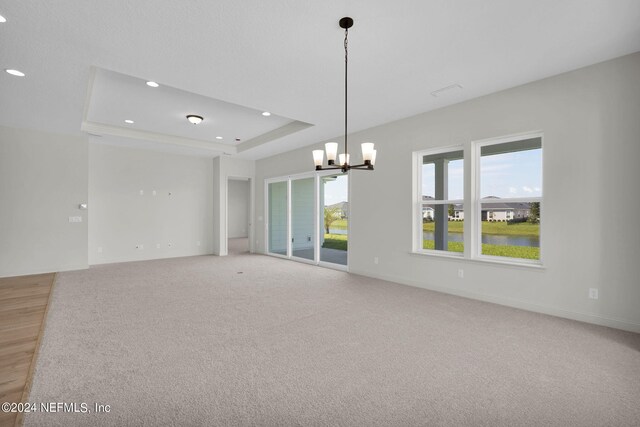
x=448, y=89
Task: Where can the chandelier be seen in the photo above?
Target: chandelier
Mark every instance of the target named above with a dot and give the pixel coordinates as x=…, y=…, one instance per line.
x=368, y=152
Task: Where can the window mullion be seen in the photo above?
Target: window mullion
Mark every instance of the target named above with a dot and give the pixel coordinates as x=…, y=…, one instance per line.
x=470, y=195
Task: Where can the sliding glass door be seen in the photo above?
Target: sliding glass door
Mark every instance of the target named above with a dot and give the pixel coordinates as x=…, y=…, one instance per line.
x=278, y=218
x=303, y=206
x=307, y=218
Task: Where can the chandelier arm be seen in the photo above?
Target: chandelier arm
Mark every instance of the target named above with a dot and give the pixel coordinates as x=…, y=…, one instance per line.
x=322, y=168
x=364, y=166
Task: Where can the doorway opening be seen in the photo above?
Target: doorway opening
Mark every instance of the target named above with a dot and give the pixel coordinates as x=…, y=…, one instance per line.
x=238, y=215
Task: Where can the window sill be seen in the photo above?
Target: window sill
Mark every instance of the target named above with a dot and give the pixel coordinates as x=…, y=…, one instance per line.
x=485, y=261
x=441, y=254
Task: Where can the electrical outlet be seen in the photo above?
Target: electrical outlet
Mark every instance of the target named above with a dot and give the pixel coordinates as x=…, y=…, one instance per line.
x=139, y=246
x=460, y=273
x=198, y=243
x=75, y=219
x=157, y=245
x=169, y=245
x=142, y=192
x=99, y=249
x=593, y=293
x=154, y=192
x=376, y=260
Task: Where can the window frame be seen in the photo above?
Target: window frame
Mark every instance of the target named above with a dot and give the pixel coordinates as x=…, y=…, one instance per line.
x=418, y=158
x=472, y=202
x=478, y=201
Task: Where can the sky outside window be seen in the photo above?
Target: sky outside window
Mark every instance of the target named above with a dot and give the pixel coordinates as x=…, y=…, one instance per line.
x=456, y=179
x=336, y=191
x=506, y=175
x=509, y=175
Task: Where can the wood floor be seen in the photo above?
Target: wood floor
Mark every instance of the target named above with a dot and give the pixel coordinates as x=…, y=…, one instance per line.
x=23, y=305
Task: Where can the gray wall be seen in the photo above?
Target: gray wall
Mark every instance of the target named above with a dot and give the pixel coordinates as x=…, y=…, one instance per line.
x=591, y=124
x=238, y=208
x=43, y=179
x=126, y=225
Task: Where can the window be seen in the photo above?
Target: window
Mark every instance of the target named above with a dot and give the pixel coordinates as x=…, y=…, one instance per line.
x=510, y=176
x=441, y=200
x=502, y=210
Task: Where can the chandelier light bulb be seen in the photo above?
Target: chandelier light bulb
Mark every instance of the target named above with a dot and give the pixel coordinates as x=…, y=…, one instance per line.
x=332, y=150
x=318, y=157
x=367, y=150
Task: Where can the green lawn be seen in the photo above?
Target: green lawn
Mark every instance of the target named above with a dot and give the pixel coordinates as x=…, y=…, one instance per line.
x=335, y=241
x=339, y=241
x=452, y=246
x=499, y=228
x=525, y=252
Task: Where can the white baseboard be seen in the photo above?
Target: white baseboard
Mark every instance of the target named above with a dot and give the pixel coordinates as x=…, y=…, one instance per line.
x=44, y=270
x=514, y=302
x=129, y=259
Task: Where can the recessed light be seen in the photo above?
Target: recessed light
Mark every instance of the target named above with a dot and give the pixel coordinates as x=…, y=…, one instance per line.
x=266, y=114
x=129, y=121
x=194, y=119
x=152, y=84
x=2, y=19
x=218, y=137
x=14, y=72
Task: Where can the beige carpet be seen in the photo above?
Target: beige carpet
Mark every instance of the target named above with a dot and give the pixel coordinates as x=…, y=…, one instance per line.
x=255, y=340
x=238, y=246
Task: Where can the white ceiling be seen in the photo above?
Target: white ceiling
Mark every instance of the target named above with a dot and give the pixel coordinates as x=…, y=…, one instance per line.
x=286, y=57
x=160, y=113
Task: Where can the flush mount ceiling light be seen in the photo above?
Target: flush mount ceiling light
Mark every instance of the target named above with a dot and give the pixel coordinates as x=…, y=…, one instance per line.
x=218, y=137
x=14, y=72
x=129, y=122
x=266, y=114
x=194, y=119
x=152, y=84
x=368, y=153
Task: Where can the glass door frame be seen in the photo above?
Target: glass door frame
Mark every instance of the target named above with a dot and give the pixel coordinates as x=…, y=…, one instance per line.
x=318, y=222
